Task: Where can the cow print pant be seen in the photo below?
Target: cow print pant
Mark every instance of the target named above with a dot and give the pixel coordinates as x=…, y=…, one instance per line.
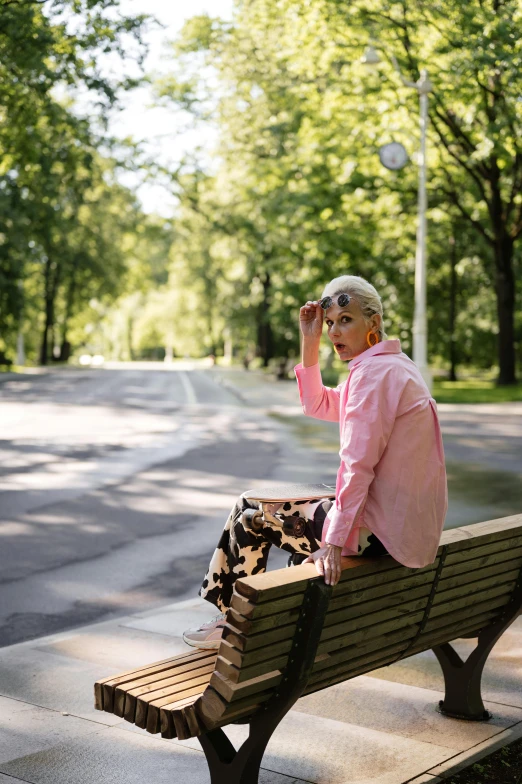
x=241, y=552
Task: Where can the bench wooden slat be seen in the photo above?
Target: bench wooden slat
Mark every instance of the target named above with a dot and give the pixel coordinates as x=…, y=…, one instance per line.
x=390, y=576
x=463, y=590
x=365, y=611
x=435, y=624
x=367, y=633
x=351, y=619
x=477, y=550
x=453, y=631
x=483, y=561
x=340, y=659
x=452, y=580
x=371, y=571
x=215, y=711
x=240, y=674
x=232, y=691
x=235, y=691
x=286, y=618
x=488, y=531
x=143, y=681
x=387, y=655
x=252, y=641
x=273, y=613
x=337, y=611
x=325, y=660
x=266, y=587
x=156, y=700
x=111, y=678
x=147, y=713
x=180, y=724
x=131, y=697
x=471, y=599
x=192, y=720
x=107, y=686
x=163, y=721
x=355, y=621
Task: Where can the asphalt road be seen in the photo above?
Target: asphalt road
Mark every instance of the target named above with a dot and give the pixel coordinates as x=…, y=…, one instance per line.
x=114, y=486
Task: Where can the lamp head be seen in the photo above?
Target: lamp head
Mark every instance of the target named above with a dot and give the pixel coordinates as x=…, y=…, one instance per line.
x=370, y=56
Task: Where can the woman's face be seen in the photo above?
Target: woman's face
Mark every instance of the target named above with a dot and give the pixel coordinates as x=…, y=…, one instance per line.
x=347, y=329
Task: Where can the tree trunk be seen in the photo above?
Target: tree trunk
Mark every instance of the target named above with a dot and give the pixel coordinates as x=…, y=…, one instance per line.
x=505, y=291
x=130, y=338
x=50, y=288
x=265, y=335
x=453, y=311
x=65, y=346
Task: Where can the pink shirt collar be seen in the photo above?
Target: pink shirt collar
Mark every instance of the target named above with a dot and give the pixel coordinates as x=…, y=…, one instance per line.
x=384, y=347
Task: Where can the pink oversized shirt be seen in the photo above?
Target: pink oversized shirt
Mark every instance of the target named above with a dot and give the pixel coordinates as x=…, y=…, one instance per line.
x=392, y=477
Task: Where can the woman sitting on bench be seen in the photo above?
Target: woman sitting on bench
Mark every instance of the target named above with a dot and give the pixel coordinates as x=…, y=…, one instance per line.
x=391, y=491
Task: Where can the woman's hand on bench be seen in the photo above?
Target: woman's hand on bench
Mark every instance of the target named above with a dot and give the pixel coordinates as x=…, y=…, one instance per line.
x=327, y=562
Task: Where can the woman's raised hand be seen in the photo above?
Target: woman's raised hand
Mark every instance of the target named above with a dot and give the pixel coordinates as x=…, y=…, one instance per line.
x=311, y=321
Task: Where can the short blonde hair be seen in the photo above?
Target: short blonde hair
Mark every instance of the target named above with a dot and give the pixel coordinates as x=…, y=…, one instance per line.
x=362, y=291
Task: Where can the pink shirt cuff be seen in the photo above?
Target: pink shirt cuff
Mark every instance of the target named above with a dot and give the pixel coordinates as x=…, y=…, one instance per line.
x=309, y=379
x=339, y=527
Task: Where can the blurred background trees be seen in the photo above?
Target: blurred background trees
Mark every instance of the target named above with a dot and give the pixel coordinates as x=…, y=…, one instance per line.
x=291, y=194
x=59, y=247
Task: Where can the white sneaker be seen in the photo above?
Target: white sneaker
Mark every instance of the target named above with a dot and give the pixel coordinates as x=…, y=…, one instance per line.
x=208, y=635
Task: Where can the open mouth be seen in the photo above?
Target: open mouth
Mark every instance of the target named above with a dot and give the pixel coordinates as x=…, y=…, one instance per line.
x=339, y=346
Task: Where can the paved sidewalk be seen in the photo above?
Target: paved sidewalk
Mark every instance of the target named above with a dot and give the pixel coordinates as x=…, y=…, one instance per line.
x=377, y=729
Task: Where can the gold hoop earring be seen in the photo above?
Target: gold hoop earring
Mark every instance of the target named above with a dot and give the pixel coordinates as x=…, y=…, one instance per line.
x=370, y=344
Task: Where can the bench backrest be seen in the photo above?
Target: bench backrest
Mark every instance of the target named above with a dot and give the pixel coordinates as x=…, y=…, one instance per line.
x=379, y=612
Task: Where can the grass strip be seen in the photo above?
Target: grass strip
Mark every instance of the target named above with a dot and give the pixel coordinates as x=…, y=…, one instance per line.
x=503, y=766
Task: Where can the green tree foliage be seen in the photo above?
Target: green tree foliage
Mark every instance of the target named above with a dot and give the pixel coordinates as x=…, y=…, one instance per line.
x=295, y=189
x=53, y=181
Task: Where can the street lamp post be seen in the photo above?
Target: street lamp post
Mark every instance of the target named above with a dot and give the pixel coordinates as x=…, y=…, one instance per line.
x=420, y=324
x=420, y=327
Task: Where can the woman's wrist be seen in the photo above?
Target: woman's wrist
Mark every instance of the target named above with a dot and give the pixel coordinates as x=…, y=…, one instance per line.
x=310, y=352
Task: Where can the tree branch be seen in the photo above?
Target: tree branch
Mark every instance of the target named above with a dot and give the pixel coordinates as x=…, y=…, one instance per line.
x=452, y=194
x=459, y=160
x=515, y=186
x=4, y=3
x=448, y=119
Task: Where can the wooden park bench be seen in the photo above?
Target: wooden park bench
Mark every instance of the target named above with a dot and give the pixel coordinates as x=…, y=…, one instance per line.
x=287, y=634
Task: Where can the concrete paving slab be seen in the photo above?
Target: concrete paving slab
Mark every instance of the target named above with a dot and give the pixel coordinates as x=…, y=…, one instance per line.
x=502, y=677
x=110, y=756
x=173, y=619
x=115, y=647
x=406, y=711
x=27, y=729
x=8, y=779
x=326, y=751
x=450, y=767
x=426, y=778
x=53, y=682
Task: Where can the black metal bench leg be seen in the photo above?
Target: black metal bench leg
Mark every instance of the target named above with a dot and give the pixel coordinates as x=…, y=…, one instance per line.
x=219, y=751
x=463, y=698
x=227, y=766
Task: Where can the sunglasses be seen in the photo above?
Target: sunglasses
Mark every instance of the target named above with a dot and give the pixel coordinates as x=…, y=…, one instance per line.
x=342, y=301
